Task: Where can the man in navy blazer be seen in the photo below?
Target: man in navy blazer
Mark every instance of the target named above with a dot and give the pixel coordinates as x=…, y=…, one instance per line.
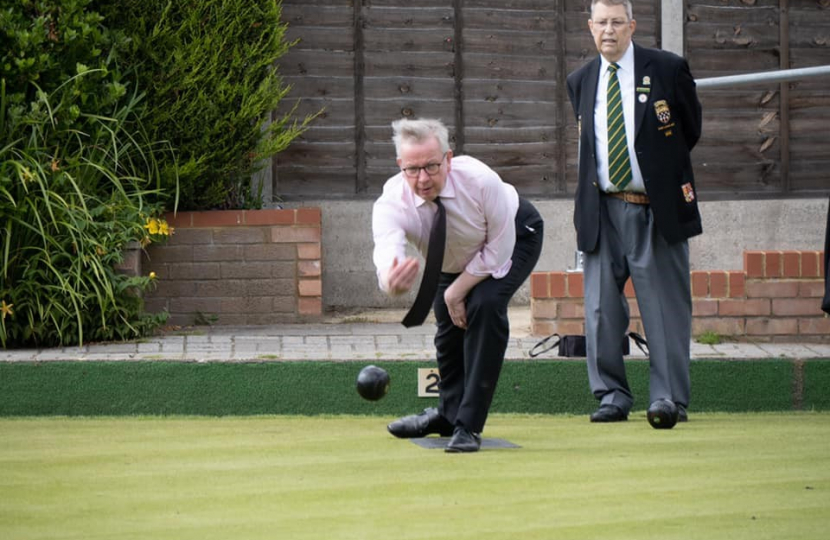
x=633, y=219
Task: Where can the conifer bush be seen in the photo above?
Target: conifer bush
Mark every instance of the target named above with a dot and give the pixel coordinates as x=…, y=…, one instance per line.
x=208, y=67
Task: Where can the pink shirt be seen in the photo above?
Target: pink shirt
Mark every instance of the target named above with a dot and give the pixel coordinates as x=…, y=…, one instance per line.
x=481, y=228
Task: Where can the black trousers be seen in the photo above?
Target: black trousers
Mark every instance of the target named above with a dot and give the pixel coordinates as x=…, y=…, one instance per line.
x=470, y=361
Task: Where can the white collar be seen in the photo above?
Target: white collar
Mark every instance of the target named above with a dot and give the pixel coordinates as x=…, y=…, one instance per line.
x=626, y=63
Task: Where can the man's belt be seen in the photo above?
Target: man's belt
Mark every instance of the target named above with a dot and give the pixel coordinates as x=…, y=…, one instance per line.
x=630, y=197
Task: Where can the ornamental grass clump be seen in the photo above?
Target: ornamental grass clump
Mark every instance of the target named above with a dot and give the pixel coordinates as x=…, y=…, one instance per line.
x=70, y=203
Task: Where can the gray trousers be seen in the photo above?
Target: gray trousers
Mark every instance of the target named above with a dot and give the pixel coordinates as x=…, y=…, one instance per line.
x=630, y=246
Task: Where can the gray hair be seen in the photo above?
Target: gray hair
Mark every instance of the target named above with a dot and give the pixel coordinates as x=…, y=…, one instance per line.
x=419, y=130
x=629, y=9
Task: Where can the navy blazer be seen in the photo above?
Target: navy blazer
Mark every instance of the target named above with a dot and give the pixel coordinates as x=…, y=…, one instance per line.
x=667, y=127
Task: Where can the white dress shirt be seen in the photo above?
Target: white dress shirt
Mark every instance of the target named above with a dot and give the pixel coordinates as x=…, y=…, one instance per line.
x=625, y=74
x=481, y=229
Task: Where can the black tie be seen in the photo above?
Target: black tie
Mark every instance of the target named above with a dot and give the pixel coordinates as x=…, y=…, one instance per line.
x=432, y=270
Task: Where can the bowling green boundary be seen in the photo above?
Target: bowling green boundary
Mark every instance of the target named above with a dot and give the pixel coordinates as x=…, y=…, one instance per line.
x=310, y=369
x=323, y=387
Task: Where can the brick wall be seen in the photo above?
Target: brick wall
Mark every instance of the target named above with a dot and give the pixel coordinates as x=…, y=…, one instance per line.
x=238, y=267
x=776, y=297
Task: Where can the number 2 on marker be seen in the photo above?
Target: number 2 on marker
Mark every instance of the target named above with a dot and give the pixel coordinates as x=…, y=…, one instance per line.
x=428, y=381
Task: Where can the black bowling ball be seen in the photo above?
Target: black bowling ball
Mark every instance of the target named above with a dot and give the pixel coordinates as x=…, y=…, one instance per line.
x=372, y=383
x=662, y=414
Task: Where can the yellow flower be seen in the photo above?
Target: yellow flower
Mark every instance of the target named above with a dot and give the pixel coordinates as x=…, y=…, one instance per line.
x=152, y=275
x=163, y=228
x=152, y=226
x=6, y=309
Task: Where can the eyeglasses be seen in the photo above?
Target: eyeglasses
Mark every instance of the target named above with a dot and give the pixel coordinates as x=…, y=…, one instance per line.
x=616, y=24
x=431, y=169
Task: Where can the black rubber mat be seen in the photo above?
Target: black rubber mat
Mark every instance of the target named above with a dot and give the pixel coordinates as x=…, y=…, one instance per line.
x=441, y=442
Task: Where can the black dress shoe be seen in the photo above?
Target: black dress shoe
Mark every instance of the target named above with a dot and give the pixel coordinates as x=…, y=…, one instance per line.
x=682, y=415
x=420, y=425
x=463, y=440
x=609, y=413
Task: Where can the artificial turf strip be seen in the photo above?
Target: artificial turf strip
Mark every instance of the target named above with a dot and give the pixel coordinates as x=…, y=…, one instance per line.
x=310, y=388
x=816, y=384
x=720, y=476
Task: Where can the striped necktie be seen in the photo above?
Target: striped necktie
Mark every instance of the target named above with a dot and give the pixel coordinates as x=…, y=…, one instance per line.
x=619, y=166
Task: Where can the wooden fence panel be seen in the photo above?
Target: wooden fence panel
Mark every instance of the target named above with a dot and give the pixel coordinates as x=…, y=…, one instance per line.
x=809, y=103
x=739, y=150
x=512, y=76
x=494, y=71
x=409, y=72
x=320, y=70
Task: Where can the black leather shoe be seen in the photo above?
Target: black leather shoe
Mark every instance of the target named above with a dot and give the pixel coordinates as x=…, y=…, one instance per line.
x=420, y=425
x=609, y=413
x=682, y=415
x=463, y=440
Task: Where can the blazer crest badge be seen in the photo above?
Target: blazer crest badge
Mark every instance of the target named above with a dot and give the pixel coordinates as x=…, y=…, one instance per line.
x=688, y=192
x=661, y=108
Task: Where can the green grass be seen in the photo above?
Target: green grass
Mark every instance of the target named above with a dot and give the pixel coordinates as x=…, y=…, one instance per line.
x=720, y=476
x=710, y=338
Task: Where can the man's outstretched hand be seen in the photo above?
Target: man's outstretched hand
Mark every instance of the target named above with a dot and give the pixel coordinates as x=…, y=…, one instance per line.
x=402, y=275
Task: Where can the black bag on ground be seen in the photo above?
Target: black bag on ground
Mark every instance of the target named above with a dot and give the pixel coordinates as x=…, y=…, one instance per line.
x=573, y=345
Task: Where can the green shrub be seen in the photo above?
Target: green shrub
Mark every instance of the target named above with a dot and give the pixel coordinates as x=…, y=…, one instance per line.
x=208, y=67
x=77, y=180
x=710, y=338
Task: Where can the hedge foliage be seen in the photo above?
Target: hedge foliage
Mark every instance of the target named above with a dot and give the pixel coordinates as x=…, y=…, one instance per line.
x=208, y=67
x=78, y=179
x=112, y=111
